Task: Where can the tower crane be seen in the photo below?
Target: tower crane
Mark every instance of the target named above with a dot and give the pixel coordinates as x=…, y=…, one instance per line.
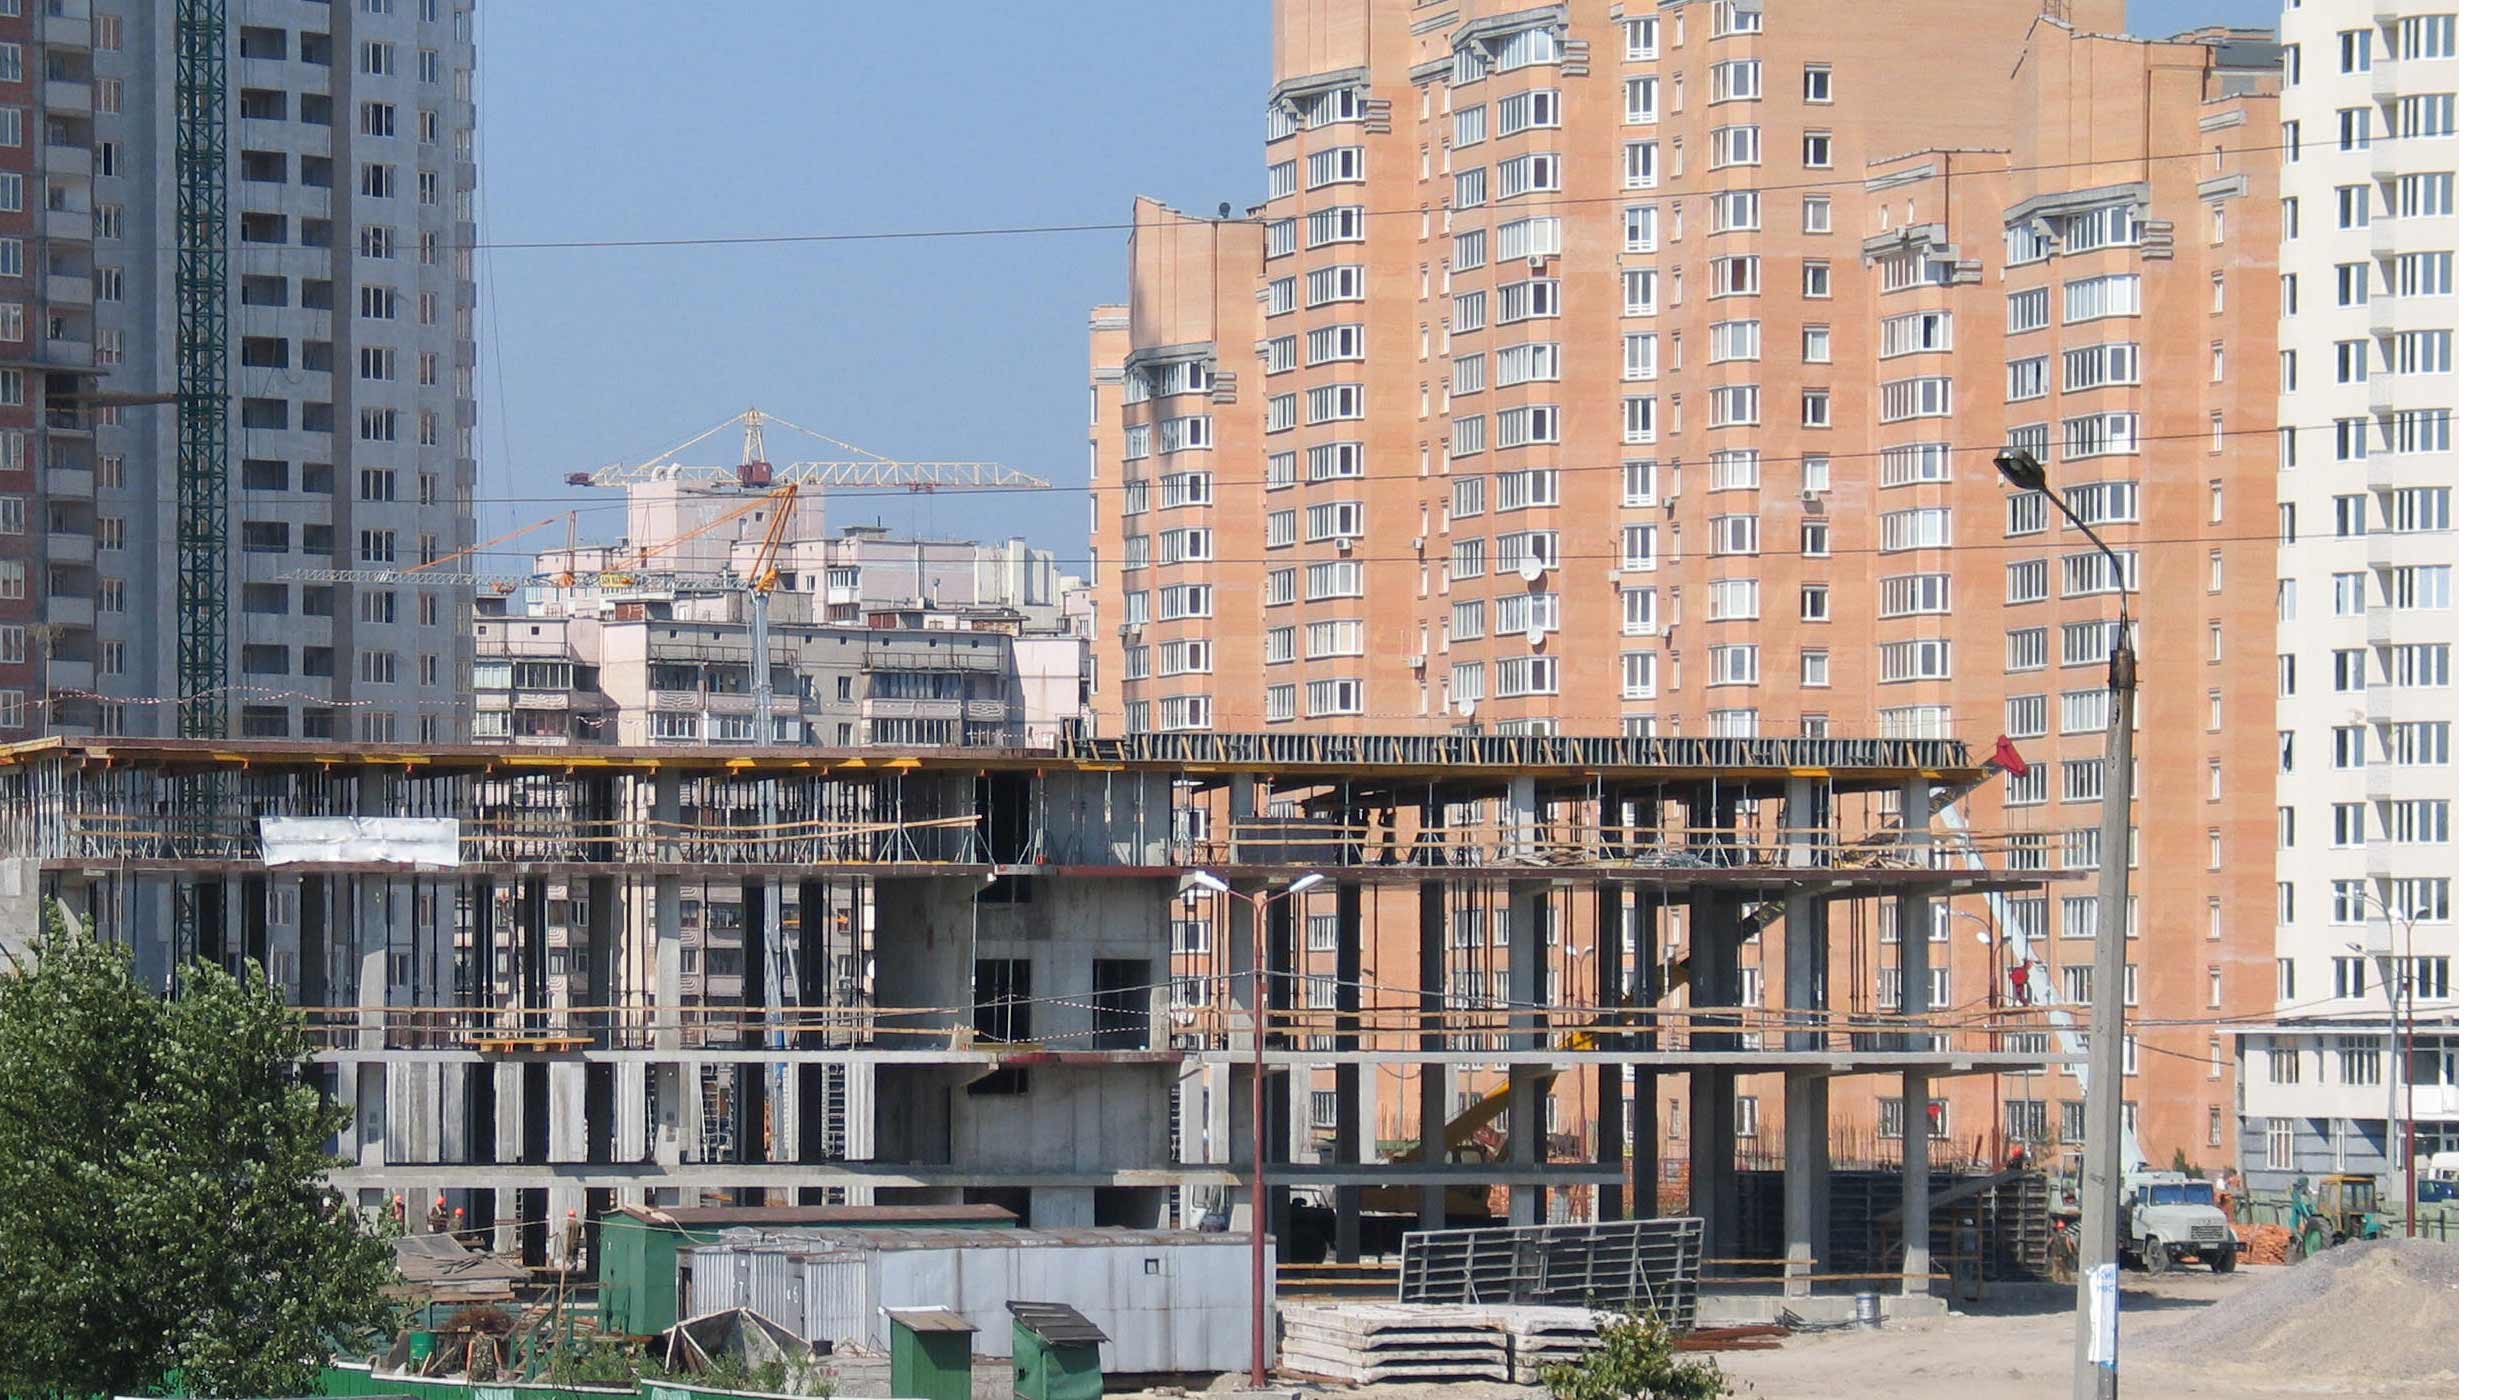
x=863, y=470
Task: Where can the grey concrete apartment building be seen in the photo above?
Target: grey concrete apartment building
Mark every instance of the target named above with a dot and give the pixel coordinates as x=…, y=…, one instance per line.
x=350, y=193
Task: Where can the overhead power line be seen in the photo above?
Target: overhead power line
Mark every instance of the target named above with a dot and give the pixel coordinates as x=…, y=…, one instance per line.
x=759, y=240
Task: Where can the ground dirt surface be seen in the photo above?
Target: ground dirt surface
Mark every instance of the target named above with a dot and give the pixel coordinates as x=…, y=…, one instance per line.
x=2189, y=1334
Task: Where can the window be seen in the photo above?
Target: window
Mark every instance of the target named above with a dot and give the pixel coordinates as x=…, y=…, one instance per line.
x=1818, y=150
x=2094, y=297
x=2027, y=310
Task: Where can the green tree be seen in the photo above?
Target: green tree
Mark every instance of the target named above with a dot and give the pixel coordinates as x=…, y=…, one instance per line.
x=163, y=1206
x=1635, y=1359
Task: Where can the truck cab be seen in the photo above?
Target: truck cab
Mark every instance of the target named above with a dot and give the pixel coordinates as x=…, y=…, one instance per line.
x=2170, y=1217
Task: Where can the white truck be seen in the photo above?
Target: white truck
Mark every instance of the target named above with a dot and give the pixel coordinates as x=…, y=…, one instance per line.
x=2171, y=1217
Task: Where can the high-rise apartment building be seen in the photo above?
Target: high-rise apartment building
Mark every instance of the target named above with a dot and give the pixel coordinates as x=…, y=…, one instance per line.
x=350, y=189
x=2366, y=899
x=1633, y=368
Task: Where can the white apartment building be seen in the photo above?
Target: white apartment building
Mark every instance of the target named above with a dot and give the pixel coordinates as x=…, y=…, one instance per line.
x=2367, y=898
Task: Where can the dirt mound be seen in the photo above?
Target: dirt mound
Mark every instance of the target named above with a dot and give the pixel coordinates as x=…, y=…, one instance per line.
x=2264, y=1244
x=2402, y=1294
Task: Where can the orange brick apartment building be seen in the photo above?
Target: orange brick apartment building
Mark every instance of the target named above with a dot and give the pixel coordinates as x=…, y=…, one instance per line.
x=1636, y=368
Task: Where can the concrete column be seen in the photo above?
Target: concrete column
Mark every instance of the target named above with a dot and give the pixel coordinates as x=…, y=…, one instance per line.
x=1608, y=966
x=568, y=1112
x=312, y=955
x=1531, y=914
x=1806, y=1177
x=1520, y=818
x=1649, y=908
x=607, y=921
x=369, y=898
x=509, y=1097
x=666, y=989
x=1433, y=1080
x=633, y=1125
x=1913, y=921
x=1711, y=1128
x=1353, y=1119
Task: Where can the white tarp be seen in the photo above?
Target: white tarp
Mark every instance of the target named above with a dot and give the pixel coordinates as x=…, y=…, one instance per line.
x=431, y=842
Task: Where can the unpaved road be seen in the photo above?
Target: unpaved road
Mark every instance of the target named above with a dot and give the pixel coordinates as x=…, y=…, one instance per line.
x=1997, y=1353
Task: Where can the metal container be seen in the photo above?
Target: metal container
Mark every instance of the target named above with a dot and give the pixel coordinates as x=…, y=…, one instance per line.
x=1169, y=1301
x=1870, y=1308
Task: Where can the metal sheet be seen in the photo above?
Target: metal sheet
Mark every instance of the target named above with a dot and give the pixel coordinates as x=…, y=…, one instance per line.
x=427, y=843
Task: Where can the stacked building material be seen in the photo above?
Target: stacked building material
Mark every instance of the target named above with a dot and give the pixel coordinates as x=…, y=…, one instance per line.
x=2264, y=1244
x=1367, y=1343
x=1542, y=1336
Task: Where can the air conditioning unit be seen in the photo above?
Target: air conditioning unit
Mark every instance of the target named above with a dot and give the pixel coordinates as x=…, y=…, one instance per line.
x=1344, y=545
x=1415, y=662
x=1416, y=544
x=1614, y=575
x=1131, y=629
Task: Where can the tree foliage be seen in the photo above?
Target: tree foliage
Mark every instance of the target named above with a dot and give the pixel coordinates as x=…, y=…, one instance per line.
x=1635, y=1359
x=164, y=1211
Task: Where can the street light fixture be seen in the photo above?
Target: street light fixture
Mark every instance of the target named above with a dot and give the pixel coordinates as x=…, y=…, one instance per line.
x=1210, y=882
x=2096, y=1283
x=2400, y=1050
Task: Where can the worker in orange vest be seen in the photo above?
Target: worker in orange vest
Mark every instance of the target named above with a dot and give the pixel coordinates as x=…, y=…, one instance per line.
x=399, y=1209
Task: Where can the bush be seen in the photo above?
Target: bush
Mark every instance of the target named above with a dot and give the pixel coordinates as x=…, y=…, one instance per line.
x=1635, y=1359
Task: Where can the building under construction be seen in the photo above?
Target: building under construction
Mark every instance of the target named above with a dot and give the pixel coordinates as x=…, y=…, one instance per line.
x=971, y=976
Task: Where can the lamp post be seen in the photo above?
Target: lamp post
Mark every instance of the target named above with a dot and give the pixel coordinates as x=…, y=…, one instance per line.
x=1257, y=900
x=2400, y=1042
x=2096, y=1282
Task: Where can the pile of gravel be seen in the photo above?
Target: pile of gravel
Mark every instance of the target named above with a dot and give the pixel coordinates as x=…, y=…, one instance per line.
x=2383, y=1308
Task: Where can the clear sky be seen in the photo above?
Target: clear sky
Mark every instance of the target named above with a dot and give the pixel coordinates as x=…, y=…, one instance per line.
x=637, y=119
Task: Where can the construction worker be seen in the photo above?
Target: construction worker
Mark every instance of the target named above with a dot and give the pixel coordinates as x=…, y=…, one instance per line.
x=399, y=1209
x=459, y=1222
x=2018, y=980
x=572, y=1239
x=438, y=1219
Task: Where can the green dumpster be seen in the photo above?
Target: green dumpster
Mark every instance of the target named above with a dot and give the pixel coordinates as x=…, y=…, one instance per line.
x=1058, y=1352
x=931, y=1351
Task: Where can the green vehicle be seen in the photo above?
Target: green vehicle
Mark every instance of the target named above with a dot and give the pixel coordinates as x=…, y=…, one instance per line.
x=2342, y=1207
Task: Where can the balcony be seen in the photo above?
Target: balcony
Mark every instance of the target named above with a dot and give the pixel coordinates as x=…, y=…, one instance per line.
x=59, y=159
x=69, y=94
x=67, y=24
x=69, y=610
x=874, y=708
x=69, y=675
x=542, y=700
x=69, y=289
x=69, y=354
x=69, y=483
x=68, y=547
x=73, y=225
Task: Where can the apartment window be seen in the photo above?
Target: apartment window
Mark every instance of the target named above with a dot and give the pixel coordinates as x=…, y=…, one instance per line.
x=1818, y=150
x=1817, y=278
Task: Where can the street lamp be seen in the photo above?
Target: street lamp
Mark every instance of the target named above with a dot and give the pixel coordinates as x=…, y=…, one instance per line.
x=2096, y=1282
x=2400, y=1073
x=1212, y=883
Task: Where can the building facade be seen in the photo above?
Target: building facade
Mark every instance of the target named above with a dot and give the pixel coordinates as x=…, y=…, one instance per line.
x=2366, y=904
x=1713, y=338
x=350, y=193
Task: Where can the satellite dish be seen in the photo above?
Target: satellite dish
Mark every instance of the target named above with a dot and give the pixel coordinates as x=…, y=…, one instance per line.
x=1536, y=638
x=1532, y=568
x=1466, y=709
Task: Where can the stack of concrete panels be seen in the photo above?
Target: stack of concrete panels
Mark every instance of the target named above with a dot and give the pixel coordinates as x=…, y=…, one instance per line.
x=1541, y=1336
x=1368, y=1343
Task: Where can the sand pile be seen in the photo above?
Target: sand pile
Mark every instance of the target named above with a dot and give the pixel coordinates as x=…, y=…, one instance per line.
x=2371, y=1311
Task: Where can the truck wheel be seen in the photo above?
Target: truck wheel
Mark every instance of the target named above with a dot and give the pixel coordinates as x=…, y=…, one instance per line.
x=2157, y=1258
x=2224, y=1260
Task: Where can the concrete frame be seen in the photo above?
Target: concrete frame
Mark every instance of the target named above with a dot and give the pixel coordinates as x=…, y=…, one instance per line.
x=979, y=1064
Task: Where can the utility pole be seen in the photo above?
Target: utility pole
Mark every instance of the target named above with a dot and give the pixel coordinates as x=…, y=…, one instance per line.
x=1207, y=880
x=2104, y=1110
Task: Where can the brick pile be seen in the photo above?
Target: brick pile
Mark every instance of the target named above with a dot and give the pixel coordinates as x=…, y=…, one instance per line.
x=2264, y=1244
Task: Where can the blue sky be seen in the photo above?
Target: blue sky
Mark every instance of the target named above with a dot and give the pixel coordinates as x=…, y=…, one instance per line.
x=620, y=120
